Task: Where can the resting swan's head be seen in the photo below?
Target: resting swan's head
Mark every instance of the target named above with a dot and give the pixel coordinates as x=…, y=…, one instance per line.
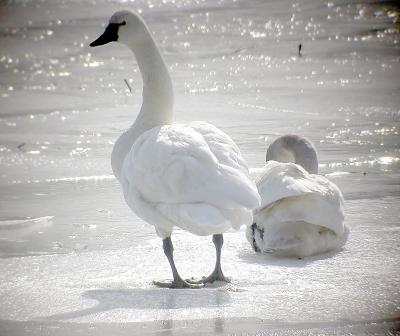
x=294, y=148
x=124, y=27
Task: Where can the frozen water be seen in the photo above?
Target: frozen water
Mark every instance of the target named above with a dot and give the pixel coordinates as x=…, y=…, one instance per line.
x=75, y=260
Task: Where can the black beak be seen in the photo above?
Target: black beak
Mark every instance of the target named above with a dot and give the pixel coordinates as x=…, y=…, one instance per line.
x=109, y=35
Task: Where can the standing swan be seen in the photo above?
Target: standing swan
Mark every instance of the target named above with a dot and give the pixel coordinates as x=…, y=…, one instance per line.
x=191, y=176
x=301, y=213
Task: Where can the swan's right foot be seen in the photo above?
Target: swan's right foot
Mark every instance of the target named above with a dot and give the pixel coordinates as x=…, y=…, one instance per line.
x=176, y=284
x=216, y=275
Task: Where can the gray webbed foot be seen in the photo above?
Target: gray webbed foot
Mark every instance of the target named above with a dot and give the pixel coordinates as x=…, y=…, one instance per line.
x=214, y=276
x=217, y=274
x=177, y=284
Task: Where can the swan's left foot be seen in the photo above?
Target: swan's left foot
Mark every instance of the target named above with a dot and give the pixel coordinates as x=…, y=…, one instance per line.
x=177, y=282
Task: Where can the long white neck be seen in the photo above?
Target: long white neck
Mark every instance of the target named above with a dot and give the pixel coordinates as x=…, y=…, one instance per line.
x=293, y=148
x=158, y=97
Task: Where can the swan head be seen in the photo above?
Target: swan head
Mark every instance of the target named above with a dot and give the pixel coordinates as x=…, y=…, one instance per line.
x=294, y=148
x=124, y=27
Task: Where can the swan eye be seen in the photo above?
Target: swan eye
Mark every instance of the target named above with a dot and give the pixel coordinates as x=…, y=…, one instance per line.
x=123, y=23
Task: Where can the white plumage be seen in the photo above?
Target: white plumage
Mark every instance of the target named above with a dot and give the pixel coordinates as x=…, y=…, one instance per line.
x=189, y=176
x=301, y=214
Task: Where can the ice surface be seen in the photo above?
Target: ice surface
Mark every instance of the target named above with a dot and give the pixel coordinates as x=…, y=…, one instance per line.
x=75, y=260
x=21, y=223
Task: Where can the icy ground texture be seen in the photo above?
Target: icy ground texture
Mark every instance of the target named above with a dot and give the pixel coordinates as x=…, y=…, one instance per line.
x=75, y=259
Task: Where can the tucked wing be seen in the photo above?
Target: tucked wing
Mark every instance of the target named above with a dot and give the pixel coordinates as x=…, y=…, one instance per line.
x=324, y=210
x=182, y=174
x=279, y=180
x=221, y=145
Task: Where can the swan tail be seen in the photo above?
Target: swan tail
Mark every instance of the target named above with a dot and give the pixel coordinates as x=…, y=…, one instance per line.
x=203, y=219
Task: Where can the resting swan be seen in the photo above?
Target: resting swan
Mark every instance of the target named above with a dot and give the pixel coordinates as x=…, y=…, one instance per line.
x=301, y=212
x=190, y=176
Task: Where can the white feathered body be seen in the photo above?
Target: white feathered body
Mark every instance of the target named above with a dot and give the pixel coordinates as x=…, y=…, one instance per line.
x=301, y=214
x=190, y=176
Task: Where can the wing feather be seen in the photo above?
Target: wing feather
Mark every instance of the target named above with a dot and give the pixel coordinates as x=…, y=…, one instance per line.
x=191, y=175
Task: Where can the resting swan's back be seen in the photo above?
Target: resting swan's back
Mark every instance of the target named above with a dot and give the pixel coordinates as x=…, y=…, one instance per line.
x=301, y=214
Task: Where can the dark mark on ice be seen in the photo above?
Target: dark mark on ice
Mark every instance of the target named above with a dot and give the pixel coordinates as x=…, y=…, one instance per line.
x=20, y=146
x=127, y=84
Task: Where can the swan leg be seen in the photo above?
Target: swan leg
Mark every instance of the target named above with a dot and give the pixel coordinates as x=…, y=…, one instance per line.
x=217, y=274
x=177, y=282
